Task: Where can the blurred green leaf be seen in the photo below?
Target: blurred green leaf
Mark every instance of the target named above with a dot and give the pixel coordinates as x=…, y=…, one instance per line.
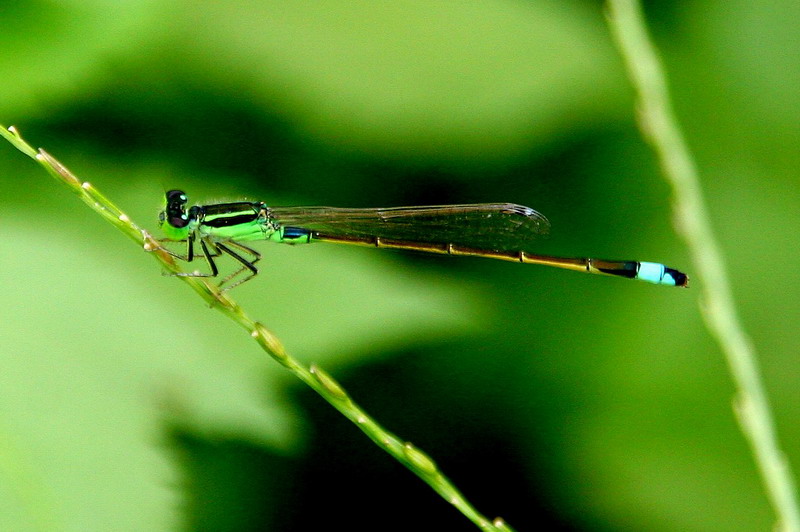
x=604, y=403
x=55, y=50
x=414, y=77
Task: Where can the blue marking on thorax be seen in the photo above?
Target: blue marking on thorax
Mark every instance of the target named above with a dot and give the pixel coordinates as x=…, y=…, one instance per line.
x=296, y=235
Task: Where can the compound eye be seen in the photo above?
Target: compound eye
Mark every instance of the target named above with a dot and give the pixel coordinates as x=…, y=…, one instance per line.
x=176, y=197
x=175, y=212
x=179, y=221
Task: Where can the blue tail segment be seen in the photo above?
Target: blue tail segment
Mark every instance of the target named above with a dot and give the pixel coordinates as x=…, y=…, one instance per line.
x=652, y=272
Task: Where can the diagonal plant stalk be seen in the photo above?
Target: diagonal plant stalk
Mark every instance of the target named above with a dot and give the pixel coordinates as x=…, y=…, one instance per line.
x=322, y=383
x=659, y=126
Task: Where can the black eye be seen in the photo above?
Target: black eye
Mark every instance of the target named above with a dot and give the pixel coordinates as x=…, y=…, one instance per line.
x=176, y=197
x=175, y=211
x=178, y=221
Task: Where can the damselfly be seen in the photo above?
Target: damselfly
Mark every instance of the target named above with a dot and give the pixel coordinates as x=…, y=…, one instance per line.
x=496, y=230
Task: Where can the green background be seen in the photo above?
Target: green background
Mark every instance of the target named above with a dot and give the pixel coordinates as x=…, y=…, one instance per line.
x=552, y=399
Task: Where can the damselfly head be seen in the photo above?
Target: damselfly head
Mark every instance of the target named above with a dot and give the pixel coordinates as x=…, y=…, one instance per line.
x=174, y=212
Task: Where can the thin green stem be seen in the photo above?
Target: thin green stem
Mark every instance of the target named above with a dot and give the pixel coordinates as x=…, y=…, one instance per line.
x=411, y=457
x=658, y=124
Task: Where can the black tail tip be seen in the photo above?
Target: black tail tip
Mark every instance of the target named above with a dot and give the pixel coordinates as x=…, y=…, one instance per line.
x=680, y=278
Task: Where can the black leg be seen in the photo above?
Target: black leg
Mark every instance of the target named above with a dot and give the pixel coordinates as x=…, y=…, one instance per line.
x=209, y=256
x=246, y=264
x=191, y=254
x=212, y=250
x=256, y=255
x=190, y=248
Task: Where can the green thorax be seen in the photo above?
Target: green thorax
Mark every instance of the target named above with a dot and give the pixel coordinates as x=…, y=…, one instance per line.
x=242, y=220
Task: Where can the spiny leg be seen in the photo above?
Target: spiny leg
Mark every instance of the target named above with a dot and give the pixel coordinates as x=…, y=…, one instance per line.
x=207, y=254
x=190, y=251
x=212, y=250
x=246, y=264
x=239, y=258
x=190, y=256
x=186, y=258
x=256, y=255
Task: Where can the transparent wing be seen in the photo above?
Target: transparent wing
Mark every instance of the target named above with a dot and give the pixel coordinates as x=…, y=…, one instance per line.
x=491, y=226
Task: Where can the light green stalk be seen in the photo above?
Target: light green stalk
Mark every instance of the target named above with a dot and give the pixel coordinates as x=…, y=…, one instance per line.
x=660, y=127
x=322, y=383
